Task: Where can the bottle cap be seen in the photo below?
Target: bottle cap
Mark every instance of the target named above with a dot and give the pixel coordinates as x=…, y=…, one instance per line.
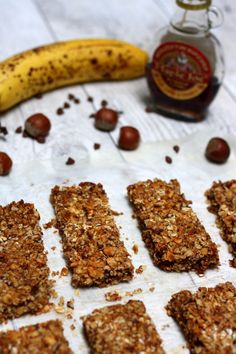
x=194, y=4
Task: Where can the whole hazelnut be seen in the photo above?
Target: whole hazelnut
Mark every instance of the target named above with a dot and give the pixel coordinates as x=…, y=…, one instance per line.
x=217, y=150
x=5, y=164
x=37, y=125
x=129, y=138
x=106, y=119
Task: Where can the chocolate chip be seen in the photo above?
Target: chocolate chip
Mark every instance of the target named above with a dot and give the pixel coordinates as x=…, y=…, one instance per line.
x=60, y=111
x=168, y=159
x=96, y=146
x=92, y=115
x=18, y=130
x=104, y=103
x=66, y=105
x=41, y=139
x=70, y=161
x=76, y=100
x=71, y=97
x=38, y=96
x=176, y=148
x=90, y=99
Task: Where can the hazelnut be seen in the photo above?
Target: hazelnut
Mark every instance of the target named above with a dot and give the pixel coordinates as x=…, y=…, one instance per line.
x=106, y=119
x=5, y=164
x=129, y=138
x=37, y=125
x=217, y=150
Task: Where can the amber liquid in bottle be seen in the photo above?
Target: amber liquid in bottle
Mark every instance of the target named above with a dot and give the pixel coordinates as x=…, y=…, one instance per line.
x=194, y=109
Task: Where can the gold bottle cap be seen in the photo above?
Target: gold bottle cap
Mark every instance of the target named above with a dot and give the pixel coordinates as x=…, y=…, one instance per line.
x=194, y=4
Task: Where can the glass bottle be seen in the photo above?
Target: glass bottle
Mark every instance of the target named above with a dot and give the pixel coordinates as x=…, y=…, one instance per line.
x=187, y=64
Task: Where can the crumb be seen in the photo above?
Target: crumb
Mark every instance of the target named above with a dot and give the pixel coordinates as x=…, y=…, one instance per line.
x=232, y=263
x=54, y=273
x=134, y=292
x=77, y=292
x=140, y=269
x=70, y=161
x=64, y=272
x=113, y=296
x=96, y=146
x=50, y=224
x=59, y=309
x=61, y=301
x=69, y=316
x=60, y=111
x=40, y=139
x=152, y=289
x=70, y=303
x=53, y=248
x=54, y=294
x=135, y=248
x=92, y=115
x=168, y=159
x=116, y=213
x=176, y=148
x=72, y=327
x=18, y=130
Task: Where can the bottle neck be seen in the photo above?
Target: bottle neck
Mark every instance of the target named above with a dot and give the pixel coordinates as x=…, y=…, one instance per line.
x=191, y=22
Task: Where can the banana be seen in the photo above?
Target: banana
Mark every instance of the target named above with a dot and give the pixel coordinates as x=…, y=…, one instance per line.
x=65, y=63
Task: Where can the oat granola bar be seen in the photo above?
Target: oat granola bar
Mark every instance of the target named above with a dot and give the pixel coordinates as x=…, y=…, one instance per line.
x=222, y=199
x=122, y=329
x=24, y=284
x=43, y=338
x=207, y=318
x=90, y=237
x=172, y=232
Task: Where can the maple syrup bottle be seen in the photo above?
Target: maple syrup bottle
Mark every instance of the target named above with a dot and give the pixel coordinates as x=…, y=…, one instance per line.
x=187, y=65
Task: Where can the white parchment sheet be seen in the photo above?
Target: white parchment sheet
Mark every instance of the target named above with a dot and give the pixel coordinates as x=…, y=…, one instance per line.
x=33, y=181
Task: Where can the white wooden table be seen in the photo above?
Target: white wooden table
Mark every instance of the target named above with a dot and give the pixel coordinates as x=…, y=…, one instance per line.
x=29, y=23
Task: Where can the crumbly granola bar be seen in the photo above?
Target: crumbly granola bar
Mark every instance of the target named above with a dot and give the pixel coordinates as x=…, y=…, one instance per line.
x=90, y=237
x=122, y=329
x=207, y=318
x=45, y=338
x=172, y=232
x=222, y=199
x=24, y=284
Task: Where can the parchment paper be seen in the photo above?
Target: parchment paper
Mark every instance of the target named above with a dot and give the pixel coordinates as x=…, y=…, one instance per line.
x=33, y=181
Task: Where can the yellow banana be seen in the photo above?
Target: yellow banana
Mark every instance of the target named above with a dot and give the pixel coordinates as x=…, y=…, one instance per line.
x=64, y=63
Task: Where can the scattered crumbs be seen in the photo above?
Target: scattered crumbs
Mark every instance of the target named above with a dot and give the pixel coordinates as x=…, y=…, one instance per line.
x=232, y=263
x=71, y=97
x=116, y=213
x=176, y=148
x=50, y=224
x=96, y=146
x=168, y=159
x=70, y=303
x=77, y=292
x=90, y=99
x=59, y=309
x=55, y=273
x=92, y=115
x=70, y=161
x=76, y=100
x=61, y=301
x=66, y=105
x=53, y=248
x=38, y=96
x=152, y=289
x=134, y=292
x=140, y=269
x=18, y=130
x=64, y=272
x=72, y=327
x=135, y=248
x=113, y=296
x=104, y=103
x=59, y=111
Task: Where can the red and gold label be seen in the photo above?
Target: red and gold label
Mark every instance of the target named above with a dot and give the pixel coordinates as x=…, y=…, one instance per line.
x=180, y=71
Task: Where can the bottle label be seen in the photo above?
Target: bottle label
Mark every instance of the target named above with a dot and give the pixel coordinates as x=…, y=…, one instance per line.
x=180, y=71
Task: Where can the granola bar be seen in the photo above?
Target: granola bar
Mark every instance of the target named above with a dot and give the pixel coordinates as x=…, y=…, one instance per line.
x=24, y=284
x=172, y=232
x=207, y=318
x=90, y=237
x=45, y=338
x=222, y=199
x=122, y=329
